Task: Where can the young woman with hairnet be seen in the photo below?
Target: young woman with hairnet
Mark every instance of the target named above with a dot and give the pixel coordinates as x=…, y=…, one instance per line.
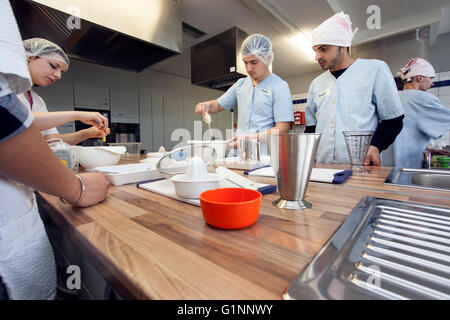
x=27, y=266
x=46, y=63
x=263, y=99
x=425, y=117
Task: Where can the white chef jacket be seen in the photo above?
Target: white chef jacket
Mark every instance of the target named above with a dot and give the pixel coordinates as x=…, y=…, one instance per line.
x=39, y=105
x=259, y=107
x=362, y=96
x=425, y=118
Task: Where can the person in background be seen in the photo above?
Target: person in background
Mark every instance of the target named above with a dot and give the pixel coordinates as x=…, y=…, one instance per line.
x=263, y=99
x=27, y=266
x=47, y=62
x=351, y=95
x=425, y=117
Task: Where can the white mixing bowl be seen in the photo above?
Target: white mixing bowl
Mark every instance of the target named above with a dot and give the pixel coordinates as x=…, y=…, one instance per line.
x=91, y=157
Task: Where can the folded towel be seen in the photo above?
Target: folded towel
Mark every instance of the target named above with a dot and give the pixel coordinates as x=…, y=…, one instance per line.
x=318, y=174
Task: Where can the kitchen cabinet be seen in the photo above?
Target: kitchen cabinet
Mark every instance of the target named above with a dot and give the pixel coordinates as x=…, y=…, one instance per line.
x=145, y=121
x=157, y=121
x=91, y=97
x=189, y=116
x=59, y=97
x=173, y=120
x=124, y=106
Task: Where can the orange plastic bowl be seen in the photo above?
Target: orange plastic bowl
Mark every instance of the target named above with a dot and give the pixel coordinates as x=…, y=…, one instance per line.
x=230, y=208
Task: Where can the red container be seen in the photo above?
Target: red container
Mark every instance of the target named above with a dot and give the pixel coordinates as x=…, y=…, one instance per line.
x=230, y=208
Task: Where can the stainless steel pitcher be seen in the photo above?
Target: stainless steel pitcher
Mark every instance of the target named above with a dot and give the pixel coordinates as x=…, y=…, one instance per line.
x=292, y=156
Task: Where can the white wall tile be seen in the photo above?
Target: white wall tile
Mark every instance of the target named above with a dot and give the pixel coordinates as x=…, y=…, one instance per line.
x=444, y=91
x=434, y=91
x=444, y=76
x=445, y=100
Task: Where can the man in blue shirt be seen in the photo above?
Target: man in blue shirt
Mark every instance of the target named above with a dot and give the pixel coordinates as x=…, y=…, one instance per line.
x=263, y=99
x=351, y=95
x=425, y=117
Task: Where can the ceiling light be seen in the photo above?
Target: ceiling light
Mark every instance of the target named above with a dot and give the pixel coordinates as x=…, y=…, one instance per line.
x=304, y=43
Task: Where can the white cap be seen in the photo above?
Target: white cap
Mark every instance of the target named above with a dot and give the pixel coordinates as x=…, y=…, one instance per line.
x=335, y=31
x=38, y=47
x=260, y=46
x=416, y=67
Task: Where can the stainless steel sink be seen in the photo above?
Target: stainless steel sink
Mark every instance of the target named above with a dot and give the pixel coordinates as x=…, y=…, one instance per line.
x=385, y=249
x=420, y=178
x=435, y=180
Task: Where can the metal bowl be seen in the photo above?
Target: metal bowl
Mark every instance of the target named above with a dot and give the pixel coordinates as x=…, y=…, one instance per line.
x=176, y=161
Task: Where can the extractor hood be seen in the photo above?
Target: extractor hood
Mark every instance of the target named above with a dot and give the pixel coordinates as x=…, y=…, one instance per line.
x=130, y=35
x=216, y=63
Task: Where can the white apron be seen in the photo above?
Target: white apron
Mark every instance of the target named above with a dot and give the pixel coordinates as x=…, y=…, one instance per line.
x=27, y=264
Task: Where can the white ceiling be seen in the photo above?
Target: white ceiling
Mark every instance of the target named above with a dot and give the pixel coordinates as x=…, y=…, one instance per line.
x=216, y=16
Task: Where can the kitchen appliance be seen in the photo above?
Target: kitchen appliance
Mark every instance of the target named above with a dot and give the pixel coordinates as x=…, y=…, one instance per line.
x=385, y=249
x=125, y=132
x=111, y=33
x=216, y=62
x=292, y=156
x=358, y=143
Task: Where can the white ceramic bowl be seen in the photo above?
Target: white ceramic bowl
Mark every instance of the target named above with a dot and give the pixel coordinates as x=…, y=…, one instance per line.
x=91, y=157
x=192, y=189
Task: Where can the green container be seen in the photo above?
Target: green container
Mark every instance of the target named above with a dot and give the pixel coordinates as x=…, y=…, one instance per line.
x=444, y=162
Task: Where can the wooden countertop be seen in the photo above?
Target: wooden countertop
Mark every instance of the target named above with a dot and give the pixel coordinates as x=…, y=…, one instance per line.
x=149, y=246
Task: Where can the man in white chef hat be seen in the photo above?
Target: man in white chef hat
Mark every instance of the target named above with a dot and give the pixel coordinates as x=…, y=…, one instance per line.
x=351, y=95
x=425, y=117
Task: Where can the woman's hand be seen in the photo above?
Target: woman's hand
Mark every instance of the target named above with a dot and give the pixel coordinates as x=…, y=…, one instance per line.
x=94, y=132
x=97, y=186
x=93, y=118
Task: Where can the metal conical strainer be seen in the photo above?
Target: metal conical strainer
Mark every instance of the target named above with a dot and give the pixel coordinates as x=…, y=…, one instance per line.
x=358, y=143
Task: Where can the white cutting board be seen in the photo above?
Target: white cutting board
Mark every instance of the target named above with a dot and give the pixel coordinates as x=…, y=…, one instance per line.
x=166, y=188
x=317, y=174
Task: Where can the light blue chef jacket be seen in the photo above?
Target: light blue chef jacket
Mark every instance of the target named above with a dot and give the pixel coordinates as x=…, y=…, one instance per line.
x=425, y=118
x=261, y=106
x=361, y=97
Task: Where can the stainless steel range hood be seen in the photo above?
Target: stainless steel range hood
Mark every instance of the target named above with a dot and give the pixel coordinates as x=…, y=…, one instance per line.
x=130, y=35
